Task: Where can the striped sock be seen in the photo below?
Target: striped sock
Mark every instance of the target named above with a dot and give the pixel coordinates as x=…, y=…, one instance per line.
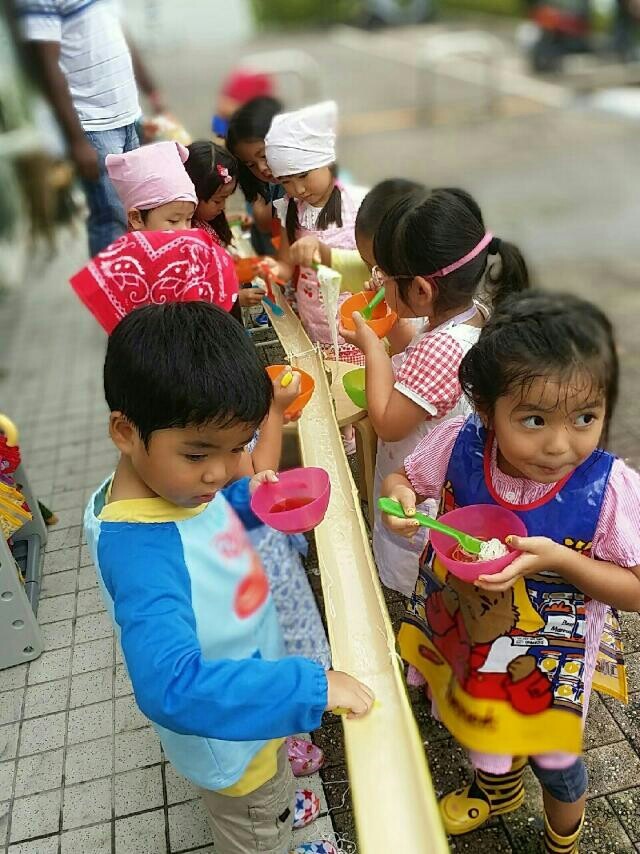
x=556, y=844
x=501, y=790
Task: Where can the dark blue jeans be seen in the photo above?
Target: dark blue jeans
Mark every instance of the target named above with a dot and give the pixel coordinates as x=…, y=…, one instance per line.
x=107, y=218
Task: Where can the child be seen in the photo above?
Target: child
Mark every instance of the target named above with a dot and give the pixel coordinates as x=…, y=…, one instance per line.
x=511, y=659
x=355, y=265
x=434, y=251
x=245, y=140
x=188, y=596
x=155, y=267
x=239, y=87
x=155, y=191
x=214, y=173
x=300, y=151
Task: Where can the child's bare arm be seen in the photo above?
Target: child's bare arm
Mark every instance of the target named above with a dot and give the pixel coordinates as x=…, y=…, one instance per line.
x=393, y=415
x=266, y=454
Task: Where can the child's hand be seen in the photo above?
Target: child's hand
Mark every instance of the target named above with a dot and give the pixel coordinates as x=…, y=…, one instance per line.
x=403, y=527
x=364, y=337
x=305, y=252
x=539, y=553
x=269, y=267
x=250, y=296
x=343, y=691
x=283, y=397
x=261, y=477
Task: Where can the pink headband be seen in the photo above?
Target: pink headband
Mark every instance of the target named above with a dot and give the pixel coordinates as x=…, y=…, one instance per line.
x=486, y=240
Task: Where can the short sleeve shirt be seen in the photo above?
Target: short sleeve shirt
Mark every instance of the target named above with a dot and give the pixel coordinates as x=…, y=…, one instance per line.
x=94, y=56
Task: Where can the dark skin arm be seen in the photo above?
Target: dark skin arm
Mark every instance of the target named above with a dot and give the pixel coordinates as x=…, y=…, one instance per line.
x=46, y=56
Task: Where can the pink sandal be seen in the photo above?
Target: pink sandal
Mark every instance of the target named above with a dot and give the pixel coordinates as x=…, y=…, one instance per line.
x=304, y=756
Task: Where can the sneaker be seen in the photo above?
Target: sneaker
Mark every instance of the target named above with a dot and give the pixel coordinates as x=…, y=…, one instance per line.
x=261, y=319
x=322, y=847
x=306, y=809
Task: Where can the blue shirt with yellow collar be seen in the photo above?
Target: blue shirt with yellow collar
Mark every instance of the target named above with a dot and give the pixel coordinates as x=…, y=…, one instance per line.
x=200, y=635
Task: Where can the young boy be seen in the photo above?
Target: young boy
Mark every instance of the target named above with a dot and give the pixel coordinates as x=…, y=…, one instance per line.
x=189, y=597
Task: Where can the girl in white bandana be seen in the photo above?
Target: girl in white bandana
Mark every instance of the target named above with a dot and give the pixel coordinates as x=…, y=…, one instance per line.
x=300, y=151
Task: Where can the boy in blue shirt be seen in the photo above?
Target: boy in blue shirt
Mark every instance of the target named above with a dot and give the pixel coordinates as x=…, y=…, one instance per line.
x=188, y=595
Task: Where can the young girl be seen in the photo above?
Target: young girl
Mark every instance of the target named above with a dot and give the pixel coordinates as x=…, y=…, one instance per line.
x=154, y=188
x=432, y=252
x=214, y=173
x=355, y=265
x=300, y=151
x=245, y=140
x=511, y=659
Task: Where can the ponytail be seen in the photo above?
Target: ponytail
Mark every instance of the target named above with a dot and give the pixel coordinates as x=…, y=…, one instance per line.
x=511, y=276
x=292, y=224
x=434, y=235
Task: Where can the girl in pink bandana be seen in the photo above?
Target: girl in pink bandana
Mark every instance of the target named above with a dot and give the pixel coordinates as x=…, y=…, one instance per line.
x=155, y=191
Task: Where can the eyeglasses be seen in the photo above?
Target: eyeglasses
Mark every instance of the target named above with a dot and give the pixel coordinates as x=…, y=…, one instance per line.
x=378, y=277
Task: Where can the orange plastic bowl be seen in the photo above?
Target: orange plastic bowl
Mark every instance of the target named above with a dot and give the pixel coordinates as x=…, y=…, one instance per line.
x=307, y=385
x=247, y=268
x=382, y=320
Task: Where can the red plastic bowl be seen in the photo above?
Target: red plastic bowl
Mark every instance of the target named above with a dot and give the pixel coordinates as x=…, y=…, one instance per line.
x=297, y=503
x=484, y=521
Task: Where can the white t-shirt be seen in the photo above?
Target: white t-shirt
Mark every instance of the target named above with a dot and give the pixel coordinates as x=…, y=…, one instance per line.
x=93, y=55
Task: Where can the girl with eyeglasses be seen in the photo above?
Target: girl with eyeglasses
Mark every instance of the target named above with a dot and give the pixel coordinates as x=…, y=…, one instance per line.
x=432, y=256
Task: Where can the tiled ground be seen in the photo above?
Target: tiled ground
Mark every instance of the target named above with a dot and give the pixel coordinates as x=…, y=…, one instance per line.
x=81, y=770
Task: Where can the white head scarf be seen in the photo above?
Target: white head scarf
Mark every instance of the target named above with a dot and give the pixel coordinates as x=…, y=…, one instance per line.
x=302, y=140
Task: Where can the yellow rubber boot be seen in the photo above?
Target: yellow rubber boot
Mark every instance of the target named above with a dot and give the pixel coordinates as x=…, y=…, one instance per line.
x=469, y=808
x=556, y=844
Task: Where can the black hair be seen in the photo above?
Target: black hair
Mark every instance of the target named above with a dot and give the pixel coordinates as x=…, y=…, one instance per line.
x=205, y=158
x=330, y=213
x=424, y=233
x=184, y=364
x=379, y=200
x=249, y=123
x=538, y=334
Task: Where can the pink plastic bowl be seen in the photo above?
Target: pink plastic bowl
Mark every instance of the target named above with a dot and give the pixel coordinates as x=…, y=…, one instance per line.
x=484, y=521
x=297, y=503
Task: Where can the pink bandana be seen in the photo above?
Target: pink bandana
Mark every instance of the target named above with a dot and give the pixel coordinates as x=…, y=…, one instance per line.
x=155, y=267
x=151, y=176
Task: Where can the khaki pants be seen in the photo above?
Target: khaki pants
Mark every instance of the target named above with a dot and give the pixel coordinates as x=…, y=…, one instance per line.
x=260, y=821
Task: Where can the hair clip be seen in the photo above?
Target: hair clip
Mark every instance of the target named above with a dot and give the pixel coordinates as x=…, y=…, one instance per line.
x=223, y=172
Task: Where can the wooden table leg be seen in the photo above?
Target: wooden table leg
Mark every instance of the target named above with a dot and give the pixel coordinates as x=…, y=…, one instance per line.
x=366, y=448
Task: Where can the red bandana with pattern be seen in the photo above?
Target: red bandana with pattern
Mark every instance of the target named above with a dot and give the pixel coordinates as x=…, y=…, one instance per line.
x=155, y=267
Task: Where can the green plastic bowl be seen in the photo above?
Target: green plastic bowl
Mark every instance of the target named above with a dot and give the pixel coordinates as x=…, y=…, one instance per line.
x=353, y=383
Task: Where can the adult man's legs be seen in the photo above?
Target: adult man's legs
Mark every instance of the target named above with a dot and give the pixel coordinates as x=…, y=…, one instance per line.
x=107, y=218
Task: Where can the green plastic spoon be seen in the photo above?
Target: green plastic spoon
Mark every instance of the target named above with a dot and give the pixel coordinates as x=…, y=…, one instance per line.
x=394, y=508
x=367, y=311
